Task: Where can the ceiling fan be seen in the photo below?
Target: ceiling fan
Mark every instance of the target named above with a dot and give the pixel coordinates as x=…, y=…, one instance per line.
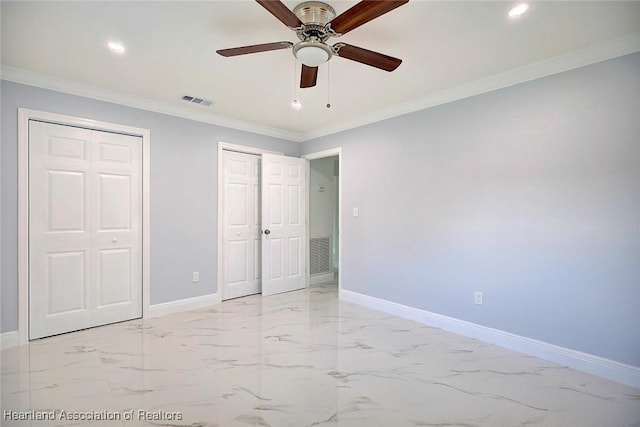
x=314, y=23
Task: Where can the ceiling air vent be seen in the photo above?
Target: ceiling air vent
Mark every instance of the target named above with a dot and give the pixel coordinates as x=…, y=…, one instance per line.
x=196, y=100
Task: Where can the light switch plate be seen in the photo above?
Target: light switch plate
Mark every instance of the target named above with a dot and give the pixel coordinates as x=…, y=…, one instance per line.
x=478, y=298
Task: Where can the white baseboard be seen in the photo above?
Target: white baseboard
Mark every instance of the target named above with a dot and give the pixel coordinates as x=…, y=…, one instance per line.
x=8, y=339
x=171, y=307
x=590, y=363
x=322, y=278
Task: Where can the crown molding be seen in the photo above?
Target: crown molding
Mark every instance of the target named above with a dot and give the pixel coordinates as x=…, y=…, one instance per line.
x=45, y=81
x=590, y=55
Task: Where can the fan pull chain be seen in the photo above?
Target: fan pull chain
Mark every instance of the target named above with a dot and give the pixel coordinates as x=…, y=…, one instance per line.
x=328, y=86
x=296, y=104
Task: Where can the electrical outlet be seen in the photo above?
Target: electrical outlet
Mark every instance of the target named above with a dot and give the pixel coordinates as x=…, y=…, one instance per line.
x=477, y=298
x=356, y=212
x=196, y=277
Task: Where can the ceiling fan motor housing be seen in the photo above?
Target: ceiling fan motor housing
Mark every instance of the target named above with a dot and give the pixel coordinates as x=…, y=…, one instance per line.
x=314, y=12
x=314, y=15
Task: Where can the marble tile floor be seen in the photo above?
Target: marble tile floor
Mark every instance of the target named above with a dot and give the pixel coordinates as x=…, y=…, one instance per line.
x=298, y=359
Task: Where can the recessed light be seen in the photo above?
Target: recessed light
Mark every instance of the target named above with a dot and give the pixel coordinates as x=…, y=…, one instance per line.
x=116, y=47
x=296, y=104
x=518, y=10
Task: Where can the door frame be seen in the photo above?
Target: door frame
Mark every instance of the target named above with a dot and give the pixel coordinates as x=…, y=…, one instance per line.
x=24, y=116
x=222, y=146
x=337, y=151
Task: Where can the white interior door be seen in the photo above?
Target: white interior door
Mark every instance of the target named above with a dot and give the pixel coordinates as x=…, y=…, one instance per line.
x=283, y=223
x=241, y=225
x=85, y=228
x=116, y=227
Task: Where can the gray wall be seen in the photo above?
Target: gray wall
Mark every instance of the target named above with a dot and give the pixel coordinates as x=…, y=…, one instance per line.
x=183, y=190
x=530, y=194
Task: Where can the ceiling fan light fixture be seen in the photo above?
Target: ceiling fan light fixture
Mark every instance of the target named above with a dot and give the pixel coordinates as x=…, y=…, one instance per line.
x=311, y=52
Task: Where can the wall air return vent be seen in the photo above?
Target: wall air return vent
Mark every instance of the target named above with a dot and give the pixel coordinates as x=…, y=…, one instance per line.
x=197, y=100
x=320, y=255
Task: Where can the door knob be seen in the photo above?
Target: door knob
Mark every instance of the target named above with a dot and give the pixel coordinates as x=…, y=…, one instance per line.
x=267, y=231
x=114, y=240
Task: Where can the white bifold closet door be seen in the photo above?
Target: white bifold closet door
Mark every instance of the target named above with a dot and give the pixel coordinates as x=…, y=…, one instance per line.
x=85, y=228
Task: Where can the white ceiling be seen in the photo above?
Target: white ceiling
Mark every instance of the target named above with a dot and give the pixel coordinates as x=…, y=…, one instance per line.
x=450, y=49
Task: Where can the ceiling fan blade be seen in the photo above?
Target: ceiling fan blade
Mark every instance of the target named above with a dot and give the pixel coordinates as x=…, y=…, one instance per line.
x=362, y=13
x=282, y=12
x=255, y=48
x=308, y=77
x=368, y=57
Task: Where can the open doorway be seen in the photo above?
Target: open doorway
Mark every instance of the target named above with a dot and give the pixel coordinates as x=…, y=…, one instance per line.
x=324, y=217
